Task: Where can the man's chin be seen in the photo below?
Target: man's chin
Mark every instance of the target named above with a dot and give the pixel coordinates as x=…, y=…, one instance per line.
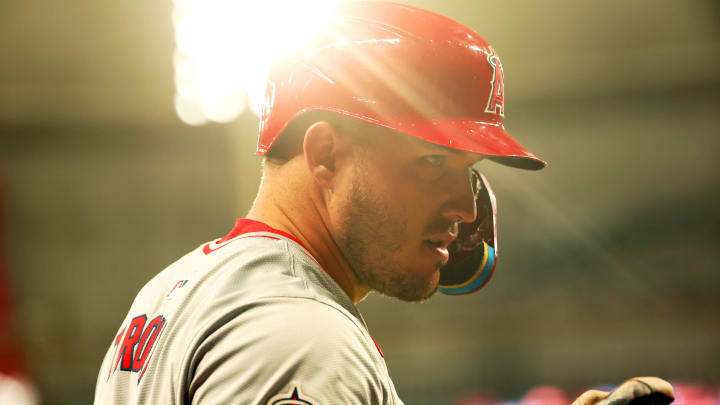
x=413, y=290
x=415, y=296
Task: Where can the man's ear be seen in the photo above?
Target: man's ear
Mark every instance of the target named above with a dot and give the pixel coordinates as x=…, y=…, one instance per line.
x=323, y=149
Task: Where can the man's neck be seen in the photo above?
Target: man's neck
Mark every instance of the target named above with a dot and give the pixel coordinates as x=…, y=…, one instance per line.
x=305, y=218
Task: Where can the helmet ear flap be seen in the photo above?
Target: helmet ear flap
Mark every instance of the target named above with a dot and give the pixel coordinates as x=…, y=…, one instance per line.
x=473, y=254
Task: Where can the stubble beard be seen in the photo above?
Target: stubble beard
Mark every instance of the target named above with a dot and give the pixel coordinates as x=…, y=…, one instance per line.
x=370, y=237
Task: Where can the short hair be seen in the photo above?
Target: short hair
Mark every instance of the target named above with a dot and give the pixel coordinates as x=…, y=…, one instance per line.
x=290, y=141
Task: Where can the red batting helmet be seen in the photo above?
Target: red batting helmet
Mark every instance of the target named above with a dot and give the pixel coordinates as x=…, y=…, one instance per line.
x=403, y=68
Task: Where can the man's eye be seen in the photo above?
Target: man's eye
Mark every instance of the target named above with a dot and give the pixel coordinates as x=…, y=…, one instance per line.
x=435, y=160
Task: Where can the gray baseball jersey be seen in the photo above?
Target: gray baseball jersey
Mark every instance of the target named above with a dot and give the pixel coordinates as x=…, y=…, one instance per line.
x=251, y=318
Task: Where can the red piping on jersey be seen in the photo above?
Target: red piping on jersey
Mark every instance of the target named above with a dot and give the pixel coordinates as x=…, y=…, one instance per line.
x=244, y=225
x=207, y=249
x=378, y=347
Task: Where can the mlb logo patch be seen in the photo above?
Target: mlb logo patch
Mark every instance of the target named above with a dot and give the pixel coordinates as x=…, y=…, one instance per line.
x=178, y=285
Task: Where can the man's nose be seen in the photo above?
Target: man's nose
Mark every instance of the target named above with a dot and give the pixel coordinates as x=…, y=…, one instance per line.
x=460, y=205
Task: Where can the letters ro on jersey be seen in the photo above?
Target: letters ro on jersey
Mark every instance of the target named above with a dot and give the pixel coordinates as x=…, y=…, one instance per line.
x=134, y=344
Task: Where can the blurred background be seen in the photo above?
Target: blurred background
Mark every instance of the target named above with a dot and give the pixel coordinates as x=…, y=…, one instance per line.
x=609, y=258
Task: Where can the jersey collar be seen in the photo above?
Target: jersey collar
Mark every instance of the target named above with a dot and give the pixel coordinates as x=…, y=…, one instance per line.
x=245, y=225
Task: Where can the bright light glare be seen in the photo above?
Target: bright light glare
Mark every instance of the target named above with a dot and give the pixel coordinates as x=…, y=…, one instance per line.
x=224, y=49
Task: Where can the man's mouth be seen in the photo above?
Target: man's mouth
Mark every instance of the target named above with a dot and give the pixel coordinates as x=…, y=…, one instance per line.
x=438, y=248
x=441, y=239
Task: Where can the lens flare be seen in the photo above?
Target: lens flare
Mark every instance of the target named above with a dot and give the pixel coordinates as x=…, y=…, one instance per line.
x=224, y=49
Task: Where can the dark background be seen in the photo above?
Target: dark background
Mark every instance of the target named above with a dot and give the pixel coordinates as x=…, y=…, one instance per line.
x=609, y=257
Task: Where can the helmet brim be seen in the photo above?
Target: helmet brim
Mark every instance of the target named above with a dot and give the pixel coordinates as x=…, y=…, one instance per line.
x=487, y=138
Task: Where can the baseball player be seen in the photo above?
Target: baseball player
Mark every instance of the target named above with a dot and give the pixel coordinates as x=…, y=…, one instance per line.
x=370, y=135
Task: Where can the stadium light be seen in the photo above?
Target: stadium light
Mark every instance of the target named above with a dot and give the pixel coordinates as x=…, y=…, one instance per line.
x=225, y=47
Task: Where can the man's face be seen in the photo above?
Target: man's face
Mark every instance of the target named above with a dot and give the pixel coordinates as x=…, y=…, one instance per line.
x=404, y=200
